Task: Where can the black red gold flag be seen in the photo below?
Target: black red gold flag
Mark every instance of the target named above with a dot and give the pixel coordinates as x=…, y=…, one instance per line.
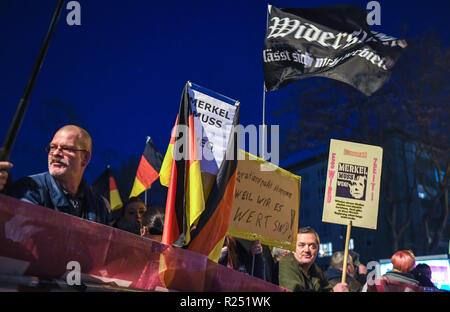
x=194, y=220
x=148, y=169
x=185, y=188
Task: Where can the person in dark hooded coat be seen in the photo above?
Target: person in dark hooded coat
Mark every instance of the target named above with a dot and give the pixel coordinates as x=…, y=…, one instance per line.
x=334, y=272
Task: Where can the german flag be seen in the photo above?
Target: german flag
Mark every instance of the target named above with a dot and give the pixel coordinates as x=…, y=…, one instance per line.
x=189, y=222
x=106, y=186
x=208, y=236
x=166, y=166
x=148, y=169
x=185, y=198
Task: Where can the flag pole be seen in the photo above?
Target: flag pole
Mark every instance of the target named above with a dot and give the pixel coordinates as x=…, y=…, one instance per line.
x=145, y=192
x=145, y=197
x=263, y=154
x=5, y=150
x=253, y=264
x=347, y=240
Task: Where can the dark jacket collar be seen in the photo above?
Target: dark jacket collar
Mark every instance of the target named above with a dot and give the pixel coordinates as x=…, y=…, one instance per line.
x=57, y=193
x=402, y=277
x=333, y=273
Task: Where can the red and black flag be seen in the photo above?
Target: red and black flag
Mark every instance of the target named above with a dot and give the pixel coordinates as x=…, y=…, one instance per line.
x=148, y=169
x=194, y=220
x=106, y=186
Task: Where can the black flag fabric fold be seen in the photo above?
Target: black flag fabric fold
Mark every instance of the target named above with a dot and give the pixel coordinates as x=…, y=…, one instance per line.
x=334, y=42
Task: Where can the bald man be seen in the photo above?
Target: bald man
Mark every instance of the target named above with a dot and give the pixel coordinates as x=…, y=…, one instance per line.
x=62, y=187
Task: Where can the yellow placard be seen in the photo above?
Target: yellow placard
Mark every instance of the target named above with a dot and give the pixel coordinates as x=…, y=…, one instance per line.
x=353, y=184
x=266, y=203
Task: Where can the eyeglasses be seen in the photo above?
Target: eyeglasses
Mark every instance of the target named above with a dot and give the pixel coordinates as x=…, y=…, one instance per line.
x=66, y=150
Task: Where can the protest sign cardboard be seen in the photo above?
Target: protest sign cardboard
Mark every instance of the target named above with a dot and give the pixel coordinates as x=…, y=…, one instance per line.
x=266, y=203
x=353, y=184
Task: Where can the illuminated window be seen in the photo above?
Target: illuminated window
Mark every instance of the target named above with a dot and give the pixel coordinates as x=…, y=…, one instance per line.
x=421, y=191
x=351, y=244
x=326, y=250
x=436, y=175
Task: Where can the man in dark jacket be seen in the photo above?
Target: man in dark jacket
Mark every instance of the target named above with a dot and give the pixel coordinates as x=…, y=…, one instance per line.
x=298, y=272
x=62, y=188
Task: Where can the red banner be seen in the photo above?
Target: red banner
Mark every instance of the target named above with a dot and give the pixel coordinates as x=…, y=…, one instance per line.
x=37, y=241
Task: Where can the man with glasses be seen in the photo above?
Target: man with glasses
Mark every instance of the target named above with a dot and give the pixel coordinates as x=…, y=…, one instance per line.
x=62, y=187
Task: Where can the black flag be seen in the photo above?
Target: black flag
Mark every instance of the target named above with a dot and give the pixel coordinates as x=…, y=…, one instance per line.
x=334, y=42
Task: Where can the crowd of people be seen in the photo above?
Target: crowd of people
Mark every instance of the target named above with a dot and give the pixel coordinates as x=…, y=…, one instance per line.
x=63, y=189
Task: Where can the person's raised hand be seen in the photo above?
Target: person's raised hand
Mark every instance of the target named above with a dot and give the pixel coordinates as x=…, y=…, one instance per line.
x=4, y=165
x=256, y=247
x=362, y=269
x=341, y=287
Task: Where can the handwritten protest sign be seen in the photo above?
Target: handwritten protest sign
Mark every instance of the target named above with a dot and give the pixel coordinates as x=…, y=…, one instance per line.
x=266, y=203
x=353, y=184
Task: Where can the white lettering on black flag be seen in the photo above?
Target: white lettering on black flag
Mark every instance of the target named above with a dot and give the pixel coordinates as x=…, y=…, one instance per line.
x=334, y=42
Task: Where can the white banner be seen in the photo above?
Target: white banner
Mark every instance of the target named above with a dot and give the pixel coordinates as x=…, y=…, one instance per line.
x=213, y=120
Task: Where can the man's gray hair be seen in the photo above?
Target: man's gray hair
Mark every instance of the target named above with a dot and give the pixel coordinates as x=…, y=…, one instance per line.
x=337, y=260
x=84, y=138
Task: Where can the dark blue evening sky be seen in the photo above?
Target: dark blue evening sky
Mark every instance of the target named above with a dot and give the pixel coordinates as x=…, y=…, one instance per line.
x=121, y=73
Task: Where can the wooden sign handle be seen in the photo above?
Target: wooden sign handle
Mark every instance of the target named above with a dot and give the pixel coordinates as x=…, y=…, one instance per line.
x=347, y=240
